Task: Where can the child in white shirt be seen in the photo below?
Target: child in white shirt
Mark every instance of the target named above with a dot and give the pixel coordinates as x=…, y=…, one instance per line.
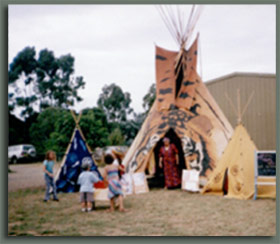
x=86, y=180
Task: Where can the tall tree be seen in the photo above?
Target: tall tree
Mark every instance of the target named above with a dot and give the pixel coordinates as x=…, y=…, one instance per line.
x=149, y=98
x=51, y=120
x=37, y=83
x=116, y=137
x=115, y=103
x=94, y=126
x=131, y=127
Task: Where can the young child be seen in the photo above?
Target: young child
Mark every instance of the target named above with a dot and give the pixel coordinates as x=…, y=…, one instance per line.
x=48, y=170
x=115, y=188
x=86, y=180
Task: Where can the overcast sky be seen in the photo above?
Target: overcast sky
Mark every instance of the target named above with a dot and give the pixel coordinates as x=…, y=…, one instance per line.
x=116, y=43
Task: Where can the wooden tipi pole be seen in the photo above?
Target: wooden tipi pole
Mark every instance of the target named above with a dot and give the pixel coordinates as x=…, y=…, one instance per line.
x=238, y=107
x=247, y=104
x=239, y=114
x=66, y=153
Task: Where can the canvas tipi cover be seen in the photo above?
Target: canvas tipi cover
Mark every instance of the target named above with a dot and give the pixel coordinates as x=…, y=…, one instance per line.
x=235, y=169
x=183, y=104
x=76, y=153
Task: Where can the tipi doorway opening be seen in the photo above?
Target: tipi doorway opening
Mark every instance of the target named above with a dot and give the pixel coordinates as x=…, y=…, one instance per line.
x=158, y=180
x=225, y=182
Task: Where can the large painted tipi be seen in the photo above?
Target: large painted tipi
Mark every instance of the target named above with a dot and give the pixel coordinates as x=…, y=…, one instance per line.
x=184, y=110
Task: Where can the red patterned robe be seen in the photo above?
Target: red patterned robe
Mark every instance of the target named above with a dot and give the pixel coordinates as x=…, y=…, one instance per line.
x=171, y=171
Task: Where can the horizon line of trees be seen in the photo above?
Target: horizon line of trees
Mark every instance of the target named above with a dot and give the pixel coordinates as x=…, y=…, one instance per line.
x=44, y=87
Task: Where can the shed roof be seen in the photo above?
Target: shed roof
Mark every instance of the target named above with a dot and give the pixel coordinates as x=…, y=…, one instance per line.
x=234, y=74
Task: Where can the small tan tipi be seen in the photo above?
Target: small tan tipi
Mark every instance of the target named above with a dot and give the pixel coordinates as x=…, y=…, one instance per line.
x=234, y=174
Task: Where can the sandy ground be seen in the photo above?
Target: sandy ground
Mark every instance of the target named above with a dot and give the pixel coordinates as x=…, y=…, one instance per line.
x=27, y=175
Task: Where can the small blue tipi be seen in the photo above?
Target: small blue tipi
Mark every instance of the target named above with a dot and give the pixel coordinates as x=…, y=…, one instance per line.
x=76, y=153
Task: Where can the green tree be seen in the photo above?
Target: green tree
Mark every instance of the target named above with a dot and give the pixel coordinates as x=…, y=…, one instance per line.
x=19, y=130
x=131, y=127
x=94, y=128
x=149, y=98
x=37, y=83
x=115, y=103
x=16, y=128
x=116, y=137
x=60, y=137
x=52, y=130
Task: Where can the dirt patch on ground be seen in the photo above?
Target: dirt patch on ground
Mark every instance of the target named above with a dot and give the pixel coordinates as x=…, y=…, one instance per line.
x=27, y=176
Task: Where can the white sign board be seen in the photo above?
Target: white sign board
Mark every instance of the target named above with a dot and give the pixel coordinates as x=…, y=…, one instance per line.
x=140, y=183
x=190, y=180
x=127, y=184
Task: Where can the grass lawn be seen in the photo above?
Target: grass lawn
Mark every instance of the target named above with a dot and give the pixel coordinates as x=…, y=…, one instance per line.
x=157, y=213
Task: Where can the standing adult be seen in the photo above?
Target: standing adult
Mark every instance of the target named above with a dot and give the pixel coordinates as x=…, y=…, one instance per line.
x=169, y=160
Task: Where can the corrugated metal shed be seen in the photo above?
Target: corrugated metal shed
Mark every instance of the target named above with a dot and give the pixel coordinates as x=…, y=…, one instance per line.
x=260, y=117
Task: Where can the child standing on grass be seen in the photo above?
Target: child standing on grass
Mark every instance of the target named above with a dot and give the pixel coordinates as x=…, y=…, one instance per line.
x=115, y=188
x=86, y=180
x=48, y=170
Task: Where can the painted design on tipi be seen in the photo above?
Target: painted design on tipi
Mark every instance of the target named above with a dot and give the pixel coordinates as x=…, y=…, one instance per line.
x=183, y=104
x=71, y=168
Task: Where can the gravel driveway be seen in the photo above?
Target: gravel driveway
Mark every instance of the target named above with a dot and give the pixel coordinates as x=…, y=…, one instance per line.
x=27, y=175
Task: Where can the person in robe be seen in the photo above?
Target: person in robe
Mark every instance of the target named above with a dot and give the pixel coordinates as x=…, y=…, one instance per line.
x=169, y=161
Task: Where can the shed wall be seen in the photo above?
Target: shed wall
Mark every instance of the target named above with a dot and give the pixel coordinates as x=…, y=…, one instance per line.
x=260, y=116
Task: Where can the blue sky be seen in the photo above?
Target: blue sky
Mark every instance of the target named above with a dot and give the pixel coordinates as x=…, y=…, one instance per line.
x=116, y=43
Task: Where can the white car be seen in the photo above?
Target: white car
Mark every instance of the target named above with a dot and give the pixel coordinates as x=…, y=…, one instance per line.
x=17, y=152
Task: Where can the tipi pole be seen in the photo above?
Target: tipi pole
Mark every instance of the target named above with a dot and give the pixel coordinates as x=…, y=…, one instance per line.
x=247, y=104
x=74, y=116
x=238, y=112
x=200, y=56
x=82, y=135
x=65, y=155
x=232, y=105
x=79, y=117
x=77, y=120
x=69, y=145
x=238, y=107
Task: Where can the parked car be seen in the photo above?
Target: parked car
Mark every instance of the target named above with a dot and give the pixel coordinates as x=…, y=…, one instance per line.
x=21, y=152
